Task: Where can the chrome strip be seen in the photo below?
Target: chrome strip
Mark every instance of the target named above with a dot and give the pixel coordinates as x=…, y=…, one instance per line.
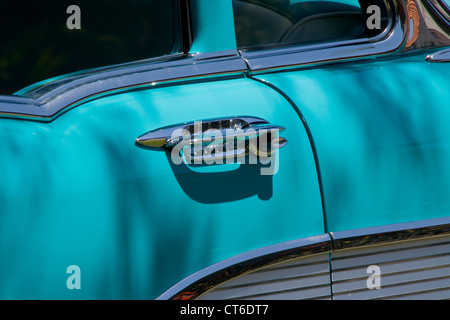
x=46, y=102
x=308, y=56
x=394, y=39
x=440, y=56
x=390, y=40
x=389, y=233
x=442, y=9
x=203, y=280
x=200, y=282
x=51, y=99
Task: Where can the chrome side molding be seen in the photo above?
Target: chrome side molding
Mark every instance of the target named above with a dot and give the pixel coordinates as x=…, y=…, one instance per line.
x=204, y=280
x=440, y=56
x=198, y=283
x=51, y=98
x=390, y=233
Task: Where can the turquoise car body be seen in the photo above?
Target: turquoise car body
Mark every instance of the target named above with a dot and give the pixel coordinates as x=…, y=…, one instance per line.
x=368, y=146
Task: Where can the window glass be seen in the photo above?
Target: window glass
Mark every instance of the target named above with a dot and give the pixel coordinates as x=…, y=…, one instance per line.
x=47, y=38
x=269, y=22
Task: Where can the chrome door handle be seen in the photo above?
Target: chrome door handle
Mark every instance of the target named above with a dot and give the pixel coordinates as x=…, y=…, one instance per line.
x=217, y=139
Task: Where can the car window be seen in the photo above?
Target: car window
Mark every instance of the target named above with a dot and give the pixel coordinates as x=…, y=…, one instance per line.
x=46, y=38
x=269, y=22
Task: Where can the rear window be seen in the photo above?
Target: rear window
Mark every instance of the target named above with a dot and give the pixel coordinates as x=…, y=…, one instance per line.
x=46, y=38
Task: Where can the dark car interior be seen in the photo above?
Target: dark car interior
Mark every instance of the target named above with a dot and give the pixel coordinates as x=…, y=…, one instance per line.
x=268, y=22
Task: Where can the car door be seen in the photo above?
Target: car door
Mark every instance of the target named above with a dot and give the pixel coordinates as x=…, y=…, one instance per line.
x=89, y=212
x=378, y=124
x=376, y=106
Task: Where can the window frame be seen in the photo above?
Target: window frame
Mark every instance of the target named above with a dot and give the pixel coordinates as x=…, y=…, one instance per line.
x=284, y=56
x=33, y=94
x=287, y=16
x=46, y=101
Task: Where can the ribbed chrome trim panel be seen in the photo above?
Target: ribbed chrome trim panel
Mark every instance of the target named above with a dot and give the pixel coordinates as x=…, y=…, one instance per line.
x=302, y=278
x=410, y=269
x=224, y=271
x=414, y=259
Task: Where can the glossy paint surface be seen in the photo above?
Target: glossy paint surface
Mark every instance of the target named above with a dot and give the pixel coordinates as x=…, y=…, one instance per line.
x=78, y=191
x=381, y=130
x=213, y=26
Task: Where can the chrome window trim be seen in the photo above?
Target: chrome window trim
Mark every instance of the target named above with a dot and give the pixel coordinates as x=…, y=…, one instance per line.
x=393, y=40
x=390, y=40
x=48, y=101
x=200, y=282
x=441, y=9
x=45, y=100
